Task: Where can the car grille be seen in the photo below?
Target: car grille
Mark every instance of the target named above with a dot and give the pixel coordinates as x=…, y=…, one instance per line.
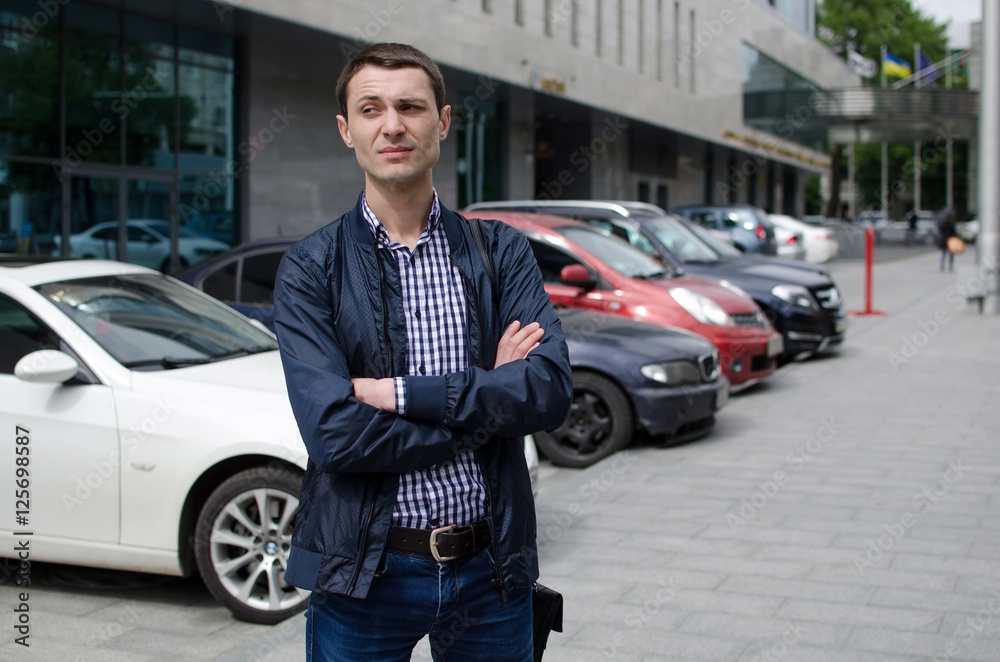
x=750, y=319
x=829, y=298
x=709, y=366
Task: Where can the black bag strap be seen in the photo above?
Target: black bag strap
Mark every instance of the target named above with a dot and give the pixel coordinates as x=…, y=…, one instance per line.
x=477, y=235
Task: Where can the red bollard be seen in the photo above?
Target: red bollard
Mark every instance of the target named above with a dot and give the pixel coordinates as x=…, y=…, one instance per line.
x=869, y=262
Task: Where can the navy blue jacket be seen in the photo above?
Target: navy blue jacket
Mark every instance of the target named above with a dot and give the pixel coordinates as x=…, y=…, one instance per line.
x=338, y=315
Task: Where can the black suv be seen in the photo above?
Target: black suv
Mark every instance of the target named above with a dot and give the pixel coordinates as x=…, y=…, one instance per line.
x=800, y=300
x=748, y=226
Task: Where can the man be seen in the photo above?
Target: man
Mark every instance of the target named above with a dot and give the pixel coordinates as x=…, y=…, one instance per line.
x=412, y=386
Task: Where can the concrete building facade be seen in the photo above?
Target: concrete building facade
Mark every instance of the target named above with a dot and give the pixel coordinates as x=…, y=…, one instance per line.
x=624, y=99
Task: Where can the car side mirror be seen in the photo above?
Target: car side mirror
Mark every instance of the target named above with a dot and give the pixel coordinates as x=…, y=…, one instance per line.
x=46, y=366
x=577, y=276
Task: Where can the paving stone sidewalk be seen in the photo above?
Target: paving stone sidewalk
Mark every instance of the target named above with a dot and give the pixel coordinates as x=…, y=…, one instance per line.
x=844, y=510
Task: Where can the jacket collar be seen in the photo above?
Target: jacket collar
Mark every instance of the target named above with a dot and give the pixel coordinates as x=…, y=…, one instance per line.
x=451, y=221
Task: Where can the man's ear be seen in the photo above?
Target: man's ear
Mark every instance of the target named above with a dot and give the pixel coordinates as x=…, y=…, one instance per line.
x=445, y=122
x=345, y=131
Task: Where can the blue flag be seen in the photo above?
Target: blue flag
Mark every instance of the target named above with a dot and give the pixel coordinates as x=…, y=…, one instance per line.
x=929, y=75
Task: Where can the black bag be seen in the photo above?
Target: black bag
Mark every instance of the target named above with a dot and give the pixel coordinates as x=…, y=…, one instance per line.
x=548, y=614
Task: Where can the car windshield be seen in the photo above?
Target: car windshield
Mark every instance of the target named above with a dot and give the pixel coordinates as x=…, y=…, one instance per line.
x=617, y=254
x=681, y=241
x=721, y=248
x=150, y=322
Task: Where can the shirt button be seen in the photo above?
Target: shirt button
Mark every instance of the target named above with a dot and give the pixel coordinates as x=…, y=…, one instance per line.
x=422, y=370
x=417, y=314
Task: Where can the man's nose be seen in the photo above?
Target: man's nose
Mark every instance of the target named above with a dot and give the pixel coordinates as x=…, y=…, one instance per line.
x=392, y=122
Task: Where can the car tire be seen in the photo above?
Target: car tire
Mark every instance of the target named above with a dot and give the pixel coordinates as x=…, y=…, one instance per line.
x=600, y=422
x=241, y=555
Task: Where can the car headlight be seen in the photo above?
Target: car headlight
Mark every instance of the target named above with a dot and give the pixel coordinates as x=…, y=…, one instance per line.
x=795, y=295
x=672, y=372
x=701, y=307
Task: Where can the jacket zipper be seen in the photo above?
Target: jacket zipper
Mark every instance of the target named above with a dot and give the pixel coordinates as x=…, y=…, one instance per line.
x=385, y=313
x=498, y=576
x=364, y=543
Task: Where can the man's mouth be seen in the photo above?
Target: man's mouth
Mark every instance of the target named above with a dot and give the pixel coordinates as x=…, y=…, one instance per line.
x=394, y=151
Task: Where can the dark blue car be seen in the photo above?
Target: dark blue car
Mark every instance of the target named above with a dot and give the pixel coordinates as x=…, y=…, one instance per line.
x=630, y=380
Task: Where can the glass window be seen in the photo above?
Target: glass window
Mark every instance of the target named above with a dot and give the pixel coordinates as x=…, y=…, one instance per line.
x=206, y=97
x=205, y=49
x=92, y=25
x=29, y=208
x=551, y=260
x=149, y=199
x=681, y=241
x=94, y=105
x=93, y=202
x=207, y=207
x=615, y=253
x=21, y=333
x=29, y=82
x=770, y=91
x=221, y=283
x=259, y=273
x=149, y=111
x=149, y=36
x=152, y=323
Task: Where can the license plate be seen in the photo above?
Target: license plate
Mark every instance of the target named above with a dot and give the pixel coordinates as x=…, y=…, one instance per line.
x=721, y=398
x=775, y=346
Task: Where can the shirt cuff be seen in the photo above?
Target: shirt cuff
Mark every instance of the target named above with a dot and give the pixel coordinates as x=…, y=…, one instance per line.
x=399, y=385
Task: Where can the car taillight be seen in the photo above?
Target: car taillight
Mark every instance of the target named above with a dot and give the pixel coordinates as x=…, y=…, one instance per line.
x=761, y=233
x=793, y=240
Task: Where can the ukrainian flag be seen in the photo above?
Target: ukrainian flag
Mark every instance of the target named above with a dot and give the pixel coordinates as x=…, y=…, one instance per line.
x=895, y=66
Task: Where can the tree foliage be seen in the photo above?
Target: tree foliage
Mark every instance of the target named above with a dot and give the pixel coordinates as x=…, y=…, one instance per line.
x=866, y=25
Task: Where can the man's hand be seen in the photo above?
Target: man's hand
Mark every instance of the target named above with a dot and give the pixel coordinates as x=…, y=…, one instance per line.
x=517, y=342
x=379, y=393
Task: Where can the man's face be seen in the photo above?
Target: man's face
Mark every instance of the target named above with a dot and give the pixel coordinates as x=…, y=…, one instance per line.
x=393, y=124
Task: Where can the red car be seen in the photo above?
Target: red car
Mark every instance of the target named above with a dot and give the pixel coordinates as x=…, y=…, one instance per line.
x=585, y=268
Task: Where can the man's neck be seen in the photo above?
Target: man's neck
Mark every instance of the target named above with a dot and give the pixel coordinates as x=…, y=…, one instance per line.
x=403, y=210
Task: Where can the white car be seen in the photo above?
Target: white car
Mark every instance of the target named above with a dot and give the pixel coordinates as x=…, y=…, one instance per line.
x=149, y=430
x=148, y=244
x=789, y=243
x=820, y=242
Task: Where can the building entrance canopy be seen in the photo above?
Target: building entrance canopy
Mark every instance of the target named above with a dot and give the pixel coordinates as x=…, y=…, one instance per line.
x=871, y=115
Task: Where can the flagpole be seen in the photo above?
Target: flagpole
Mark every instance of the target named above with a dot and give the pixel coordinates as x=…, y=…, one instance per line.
x=885, y=148
x=917, y=83
x=950, y=168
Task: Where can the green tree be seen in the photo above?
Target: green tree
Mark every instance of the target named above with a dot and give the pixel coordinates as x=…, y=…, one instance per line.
x=865, y=26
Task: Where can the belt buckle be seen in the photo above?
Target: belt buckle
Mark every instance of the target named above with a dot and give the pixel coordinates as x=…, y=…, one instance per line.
x=434, y=544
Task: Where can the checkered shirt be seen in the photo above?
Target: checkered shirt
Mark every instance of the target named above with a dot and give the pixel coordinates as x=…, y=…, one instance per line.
x=434, y=307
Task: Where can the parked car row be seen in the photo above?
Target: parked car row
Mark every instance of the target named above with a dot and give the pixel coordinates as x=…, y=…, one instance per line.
x=799, y=299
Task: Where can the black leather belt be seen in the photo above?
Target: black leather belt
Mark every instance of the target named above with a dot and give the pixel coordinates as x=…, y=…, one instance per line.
x=444, y=543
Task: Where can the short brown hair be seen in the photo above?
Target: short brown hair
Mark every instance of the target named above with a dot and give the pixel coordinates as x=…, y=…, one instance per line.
x=390, y=56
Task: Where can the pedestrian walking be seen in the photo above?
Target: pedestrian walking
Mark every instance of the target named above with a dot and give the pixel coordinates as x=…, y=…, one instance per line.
x=412, y=379
x=946, y=230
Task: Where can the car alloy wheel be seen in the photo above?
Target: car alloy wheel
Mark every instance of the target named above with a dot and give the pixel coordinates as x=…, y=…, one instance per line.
x=242, y=541
x=600, y=422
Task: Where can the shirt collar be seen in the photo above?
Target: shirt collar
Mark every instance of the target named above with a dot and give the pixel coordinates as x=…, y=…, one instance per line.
x=382, y=235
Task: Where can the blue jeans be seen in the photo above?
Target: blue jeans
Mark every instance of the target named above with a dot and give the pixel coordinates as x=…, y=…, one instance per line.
x=413, y=595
